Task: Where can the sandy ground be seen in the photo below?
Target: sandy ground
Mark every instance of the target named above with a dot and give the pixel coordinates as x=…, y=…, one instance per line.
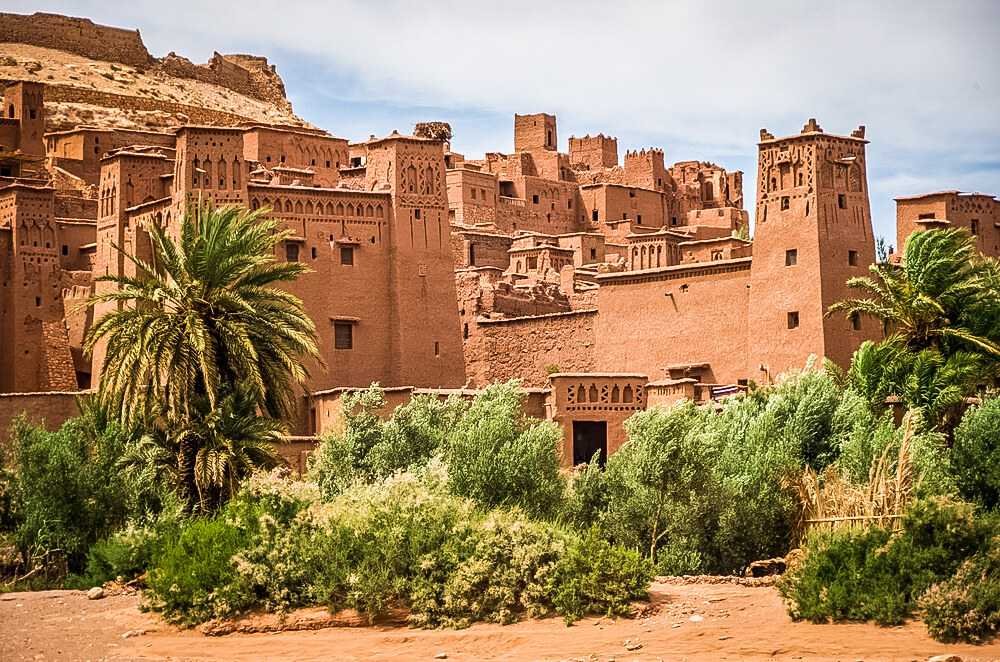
x=685, y=622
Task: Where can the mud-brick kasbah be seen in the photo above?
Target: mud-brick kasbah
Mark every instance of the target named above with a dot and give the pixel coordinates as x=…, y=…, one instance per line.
x=604, y=279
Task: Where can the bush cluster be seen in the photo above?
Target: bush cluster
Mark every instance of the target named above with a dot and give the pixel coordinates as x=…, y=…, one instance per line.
x=404, y=541
x=880, y=575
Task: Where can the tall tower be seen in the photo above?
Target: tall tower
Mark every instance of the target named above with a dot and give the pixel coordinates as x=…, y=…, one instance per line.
x=813, y=232
x=23, y=101
x=425, y=343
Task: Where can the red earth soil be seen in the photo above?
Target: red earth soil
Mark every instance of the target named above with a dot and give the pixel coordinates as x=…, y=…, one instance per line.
x=696, y=622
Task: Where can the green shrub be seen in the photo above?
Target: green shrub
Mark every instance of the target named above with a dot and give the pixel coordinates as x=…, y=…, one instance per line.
x=500, y=457
x=871, y=574
x=975, y=456
x=847, y=575
x=130, y=551
x=194, y=578
x=67, y=492
x=966, y=606
x=596, y=577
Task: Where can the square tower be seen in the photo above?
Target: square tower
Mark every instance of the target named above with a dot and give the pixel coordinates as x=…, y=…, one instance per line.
x=535, y=132
x=23, y=101
x=813, y=231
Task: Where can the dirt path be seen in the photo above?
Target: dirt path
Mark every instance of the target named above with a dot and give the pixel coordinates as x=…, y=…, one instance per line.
x=729, y=623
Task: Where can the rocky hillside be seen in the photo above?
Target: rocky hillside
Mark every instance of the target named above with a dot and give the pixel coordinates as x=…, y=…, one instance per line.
x=105, y=77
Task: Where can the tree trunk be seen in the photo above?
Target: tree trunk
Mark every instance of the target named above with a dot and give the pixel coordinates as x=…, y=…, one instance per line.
x=187, y=490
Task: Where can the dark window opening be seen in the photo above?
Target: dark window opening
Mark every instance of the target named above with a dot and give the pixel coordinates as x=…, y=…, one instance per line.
x=31, y=113
x=38, y=302
x=534, y=199
x=855, y=321
x=343, y=335
x=314, y=252
x=590, y=438
x=791, y=257
x=793, y=320
x=842, y=201
x=472, y=255
x=807, y=207
x=593, y=253
x=595, y=216
x=327, y=164
x=924, y=217
x=673, y=220
x=65, y=249
x=437, y=348
x=347, y=255
x=638, y=219
x=416, y=214
x=852, y=258
x=975, y=226
x=465, y=332
x=784, y=203
x=292, y=251
x=548, y=139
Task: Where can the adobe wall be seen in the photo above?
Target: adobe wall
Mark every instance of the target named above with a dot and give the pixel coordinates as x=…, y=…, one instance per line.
x=194, y=114
x=76, y=35
x=674, y=316
x=53, y=409
x=525, y=347
x=611, y=398
x=479, y=249
x=979, y=214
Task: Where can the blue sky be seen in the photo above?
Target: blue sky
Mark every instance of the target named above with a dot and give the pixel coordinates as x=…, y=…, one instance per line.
x=697, y=79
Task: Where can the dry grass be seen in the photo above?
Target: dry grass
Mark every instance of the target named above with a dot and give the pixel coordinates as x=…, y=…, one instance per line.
x=833, y=501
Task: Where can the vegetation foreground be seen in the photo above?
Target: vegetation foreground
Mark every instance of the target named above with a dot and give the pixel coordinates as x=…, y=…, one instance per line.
x=460, y=511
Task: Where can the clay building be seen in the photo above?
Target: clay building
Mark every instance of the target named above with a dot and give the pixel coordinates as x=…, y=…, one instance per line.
x=605, y=286
x=976, y=212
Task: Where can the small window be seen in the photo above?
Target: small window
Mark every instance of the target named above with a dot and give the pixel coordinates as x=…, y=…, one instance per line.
x=593, y=253
x=638, y=219
x=716, y=255
x=416, y=214
x=673, y=220
x=31, y=113
x=269, y=159
x=437, y=348
x=534, y=199
x=793, y=319
x=482, y=193
x=784, y=203
x=852, y=258
x=807, y=207
x=472, y=255
x=347, y=255
x=38, y=302
x=314, y=252
x=473, y=194
x=327, y=164
x=343, y=335
x=791, y=257
x=924, y=217
x=855, y=321
x=465, y=332
x=292, y=251
x=595, y=216
x=65, y=249
x=842, y=201
x=532, y=263
x=975, y=226
x=569, y=203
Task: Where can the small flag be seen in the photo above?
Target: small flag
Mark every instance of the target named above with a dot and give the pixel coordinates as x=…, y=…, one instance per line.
x=719, y=392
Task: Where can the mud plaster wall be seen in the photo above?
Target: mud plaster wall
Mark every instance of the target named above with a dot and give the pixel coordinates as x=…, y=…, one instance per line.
x=524, y=348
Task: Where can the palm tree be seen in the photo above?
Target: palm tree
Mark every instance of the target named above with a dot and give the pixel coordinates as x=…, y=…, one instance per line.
x=944, y=295
x=203, y=318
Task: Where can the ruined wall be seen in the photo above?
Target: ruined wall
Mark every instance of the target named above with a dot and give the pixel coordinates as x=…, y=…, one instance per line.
x=53, y=409
x=194, y=114
x=76, y=35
